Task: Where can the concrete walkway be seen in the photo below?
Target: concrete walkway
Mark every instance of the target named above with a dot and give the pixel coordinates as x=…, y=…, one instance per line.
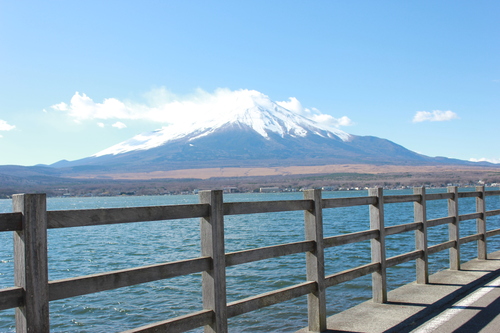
x=454, y=301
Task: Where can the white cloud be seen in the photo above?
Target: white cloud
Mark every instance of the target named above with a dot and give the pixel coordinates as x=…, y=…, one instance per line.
x=83, y=107
x=293, y=104
x=491, y=160
x=165, y=107
x=119, y=125
x=331, y=121
x=4, y=126
x=61, y=107
x=101, y=125
x=435, y=115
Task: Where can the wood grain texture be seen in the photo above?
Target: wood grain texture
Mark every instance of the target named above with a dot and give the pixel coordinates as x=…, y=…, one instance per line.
x=471, y=216
x=420, y=216
x=11, y=221
x=11, y=297
x=315, y=262
x=390, y=199
x=482, y=252
x=454, y=228
x=89, y=217
x=235, y=208
x=353, y=237
x=273, y=297
x=440, y=247
x=492, y=212
x=379, y=278
x=494, y=192
x=440, y=221
x=470, y=238
x=212, y=245
x=405, y=257
x=492, y=233
x=178, y=324
x=398, y=229
x=261, y=253
x=348, y=202
x=351, y=274
x=438, y=196
x=60, y=289
x=31, y=263
x=469, y=194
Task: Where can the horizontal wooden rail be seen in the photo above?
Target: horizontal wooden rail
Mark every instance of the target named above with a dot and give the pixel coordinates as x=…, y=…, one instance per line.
x=469, y=194
x=261, y=253
x=440, y=221
x=471, y=238
x=89, y=284
x=397, y=229
x=441, y=247
x=492, y=233
x=11, y=297
x=235, y=208
x=402, y=258
x=348, y=202
x=438, y=196
x=351, y=274
x=470, y=216
x=10, y=221
x=492, y=212
x=178, y=324
x=402, y=198
x=273, y=297
x=89, y=217
x=494, y=192
x=350, y=238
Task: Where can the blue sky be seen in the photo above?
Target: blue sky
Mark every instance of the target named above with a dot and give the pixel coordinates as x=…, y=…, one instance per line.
x=424, y=74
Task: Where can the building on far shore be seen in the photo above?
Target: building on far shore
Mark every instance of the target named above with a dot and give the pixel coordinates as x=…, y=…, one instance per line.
x=230, y=189
x=270, y=189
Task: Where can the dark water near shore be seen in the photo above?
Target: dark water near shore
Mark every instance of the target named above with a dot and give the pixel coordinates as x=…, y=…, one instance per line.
x=83, y=251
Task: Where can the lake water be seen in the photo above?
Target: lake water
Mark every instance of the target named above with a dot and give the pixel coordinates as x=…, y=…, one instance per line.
x=88, y=250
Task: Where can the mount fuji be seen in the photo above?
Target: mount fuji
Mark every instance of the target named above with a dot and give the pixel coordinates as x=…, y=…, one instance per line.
x=252, y=131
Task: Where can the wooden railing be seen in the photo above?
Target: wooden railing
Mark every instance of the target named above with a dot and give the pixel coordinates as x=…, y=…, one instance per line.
x=33, y=291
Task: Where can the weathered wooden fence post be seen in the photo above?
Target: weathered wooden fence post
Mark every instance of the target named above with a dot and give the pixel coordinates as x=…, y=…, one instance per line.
x=30, y=263
x=212, y=245
x=315, y=262
x=420, y=215
x=481, y=224
x=379, y=279
x=454, y=228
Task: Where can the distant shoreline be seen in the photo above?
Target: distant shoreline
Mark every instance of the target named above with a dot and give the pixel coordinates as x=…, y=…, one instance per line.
x=244, y=180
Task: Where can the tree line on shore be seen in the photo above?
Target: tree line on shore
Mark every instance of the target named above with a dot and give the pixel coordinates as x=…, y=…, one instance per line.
x=336, y=181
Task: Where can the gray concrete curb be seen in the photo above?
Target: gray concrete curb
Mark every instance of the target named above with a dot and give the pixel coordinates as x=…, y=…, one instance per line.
x=411, y=305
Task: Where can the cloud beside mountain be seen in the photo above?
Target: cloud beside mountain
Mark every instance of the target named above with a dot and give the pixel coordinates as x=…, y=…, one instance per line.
x=167, y=108
x=490, y=160
x=293, y=104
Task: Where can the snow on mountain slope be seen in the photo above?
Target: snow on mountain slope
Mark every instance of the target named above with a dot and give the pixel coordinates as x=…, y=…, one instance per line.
x=245, y=107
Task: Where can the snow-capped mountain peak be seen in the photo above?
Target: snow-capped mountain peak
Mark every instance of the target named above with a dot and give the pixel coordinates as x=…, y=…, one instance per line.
x=244, y=108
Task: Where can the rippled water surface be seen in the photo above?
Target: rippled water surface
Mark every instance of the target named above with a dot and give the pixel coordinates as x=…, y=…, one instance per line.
x=88, y=250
